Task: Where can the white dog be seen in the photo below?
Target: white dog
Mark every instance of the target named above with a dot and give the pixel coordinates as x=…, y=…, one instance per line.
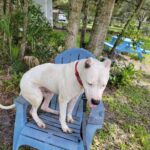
x=68, y=81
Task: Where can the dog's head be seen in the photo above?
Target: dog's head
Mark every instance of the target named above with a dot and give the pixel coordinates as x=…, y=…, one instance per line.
x=95, y=75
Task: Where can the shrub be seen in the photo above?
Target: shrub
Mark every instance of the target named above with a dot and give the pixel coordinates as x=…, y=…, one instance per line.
x=12, y=84
x=41, y=41
x=122, y=74
x=18, y=66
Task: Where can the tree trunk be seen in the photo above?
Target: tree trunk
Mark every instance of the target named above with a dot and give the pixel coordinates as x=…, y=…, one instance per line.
x=84, y=21
x=112, y=54
x=1, y=8
x=139, y=25
x=10, y=7
x=25, y=25
x=100, y=27
x=73, y=25
x=4, y=6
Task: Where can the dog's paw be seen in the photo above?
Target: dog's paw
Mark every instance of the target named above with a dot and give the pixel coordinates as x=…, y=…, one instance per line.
x=66, y=129
x=70, y=119
x=41, y=124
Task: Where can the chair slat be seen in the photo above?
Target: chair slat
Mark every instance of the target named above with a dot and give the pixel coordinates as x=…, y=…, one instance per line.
x=54, y=139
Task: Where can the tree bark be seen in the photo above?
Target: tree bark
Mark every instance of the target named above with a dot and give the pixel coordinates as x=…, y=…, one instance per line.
x=73, y=24
x=4, y=6
x=112, y=54
x=84, y=21
x=25, y=25
x=1, y=8
x=100, y=27
x=139, y=25
x=141, y=18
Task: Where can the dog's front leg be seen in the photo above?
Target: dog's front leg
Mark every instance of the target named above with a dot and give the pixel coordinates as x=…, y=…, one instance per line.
x=63, y=109
x=70, y=110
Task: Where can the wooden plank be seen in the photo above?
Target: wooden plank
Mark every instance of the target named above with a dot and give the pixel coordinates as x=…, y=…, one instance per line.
x=51, y=129
x=50, y=115
x=108, y=44
x=51, y=139
x=57, y=116
x=57, y=133
x=34, y=133
x=67, y=144
x=56, y=123
x=26, y=140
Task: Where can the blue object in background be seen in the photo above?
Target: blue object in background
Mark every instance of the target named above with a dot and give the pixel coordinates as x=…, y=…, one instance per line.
x=127, y=46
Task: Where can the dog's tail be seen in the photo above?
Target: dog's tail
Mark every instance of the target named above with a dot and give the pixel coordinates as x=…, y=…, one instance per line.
x=7, y=107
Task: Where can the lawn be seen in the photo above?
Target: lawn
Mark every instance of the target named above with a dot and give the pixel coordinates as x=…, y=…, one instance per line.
x=126, y=120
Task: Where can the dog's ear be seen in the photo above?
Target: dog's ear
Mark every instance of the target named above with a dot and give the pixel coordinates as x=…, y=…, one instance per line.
x=107, y=63
x=88, y=63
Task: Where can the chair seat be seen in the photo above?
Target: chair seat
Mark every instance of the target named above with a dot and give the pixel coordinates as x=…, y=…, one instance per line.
x=108, y=44
x=52, y=135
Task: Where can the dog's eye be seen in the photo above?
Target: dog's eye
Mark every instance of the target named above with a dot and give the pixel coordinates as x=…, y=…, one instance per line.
x=90, y=84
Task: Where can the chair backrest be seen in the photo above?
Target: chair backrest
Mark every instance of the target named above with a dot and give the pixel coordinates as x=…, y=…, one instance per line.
x=113, y=40
x=68, y=56
x=71, y=55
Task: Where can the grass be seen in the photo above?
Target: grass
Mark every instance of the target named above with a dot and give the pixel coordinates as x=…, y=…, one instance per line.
x=146, y=41
x=127, y=120
x=115, y=29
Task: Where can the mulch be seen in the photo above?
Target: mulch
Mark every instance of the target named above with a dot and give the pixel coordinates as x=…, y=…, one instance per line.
x=7, y=119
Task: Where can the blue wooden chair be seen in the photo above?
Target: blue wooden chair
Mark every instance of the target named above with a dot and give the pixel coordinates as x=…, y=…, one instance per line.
x=52, y=138
x=126, y=46
x=111, y=43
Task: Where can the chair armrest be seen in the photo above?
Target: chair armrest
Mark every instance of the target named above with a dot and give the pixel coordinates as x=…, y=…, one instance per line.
x=96, y=116
x=95, y=121
x=21, y=108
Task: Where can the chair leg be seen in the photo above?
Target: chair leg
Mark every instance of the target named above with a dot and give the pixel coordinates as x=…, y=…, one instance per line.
x=20, y=121
x=15, y=146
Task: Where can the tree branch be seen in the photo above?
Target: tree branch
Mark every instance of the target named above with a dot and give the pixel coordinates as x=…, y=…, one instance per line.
x=112, y=54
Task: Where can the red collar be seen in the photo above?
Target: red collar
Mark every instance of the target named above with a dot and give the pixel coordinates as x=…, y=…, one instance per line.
x=77, y=74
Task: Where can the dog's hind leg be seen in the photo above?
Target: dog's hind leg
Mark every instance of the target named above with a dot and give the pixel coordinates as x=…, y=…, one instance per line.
x=35, y=97
x=45, y=106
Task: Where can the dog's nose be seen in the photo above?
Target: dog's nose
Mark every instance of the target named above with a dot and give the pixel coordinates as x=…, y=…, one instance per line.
x=95, y=102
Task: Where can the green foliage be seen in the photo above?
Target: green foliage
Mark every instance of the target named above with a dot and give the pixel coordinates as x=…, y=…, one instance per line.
x=18, y=66
x=57, y=39
x=12, y=85
x=42, y=41
x=38, y=28
x=133, y=33
x=122, y=75
x=5, y=25
x=14, y=52
x=5, y=28
x=49, y=50
x=146, y=41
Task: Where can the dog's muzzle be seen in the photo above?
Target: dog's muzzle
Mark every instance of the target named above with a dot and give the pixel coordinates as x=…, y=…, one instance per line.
x=95, y=102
